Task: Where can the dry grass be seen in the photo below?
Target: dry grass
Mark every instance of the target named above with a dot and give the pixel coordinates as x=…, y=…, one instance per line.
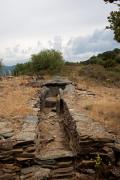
x=103, y=107
x=15, y=97
x=107, y=113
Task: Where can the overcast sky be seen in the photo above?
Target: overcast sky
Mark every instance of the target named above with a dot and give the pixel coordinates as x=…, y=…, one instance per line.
x=76, y=27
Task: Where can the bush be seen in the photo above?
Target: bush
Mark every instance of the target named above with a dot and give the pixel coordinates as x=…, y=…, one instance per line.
x=100, y=74
x=23, y=69
x=116, y=69
x=0, y=63
x=47, y=61
x=117, y=59
x=50, y=61
x=107, y=59
x=93, y=71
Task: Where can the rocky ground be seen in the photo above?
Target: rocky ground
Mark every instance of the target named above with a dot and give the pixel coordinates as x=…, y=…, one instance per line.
x=48, y=133
x=101, y=104
x=16, y=100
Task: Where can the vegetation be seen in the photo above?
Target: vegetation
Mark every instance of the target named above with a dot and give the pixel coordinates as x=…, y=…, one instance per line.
x=0, y=63
x=104, y=67
x=1, y=66
x=23, y=69
x=47, y=61
x=111, y=1
x=114, y=20
x=50, y=61
x=109, y=60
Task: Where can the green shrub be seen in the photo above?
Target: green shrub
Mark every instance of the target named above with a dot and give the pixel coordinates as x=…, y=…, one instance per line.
x=47, y=61
x=23, y=69
x=101, y=74
x=93, y=71
x=50, y=61
x=107, y=59
x=117, y=59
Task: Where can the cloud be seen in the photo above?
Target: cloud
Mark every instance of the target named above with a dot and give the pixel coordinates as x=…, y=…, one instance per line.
x=76, y=49
x=56, y=43
x=24, y=22
x=17, y=54
x=84, y=47
x=43, y=19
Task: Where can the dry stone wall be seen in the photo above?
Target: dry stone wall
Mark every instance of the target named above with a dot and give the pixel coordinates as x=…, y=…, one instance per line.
x=17, y=154
x=60, y=142
x=89, y=139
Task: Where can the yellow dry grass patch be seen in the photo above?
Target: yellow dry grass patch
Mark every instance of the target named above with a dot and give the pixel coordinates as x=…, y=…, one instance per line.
x=103, y=107
x=15, y=96
x=107, y=113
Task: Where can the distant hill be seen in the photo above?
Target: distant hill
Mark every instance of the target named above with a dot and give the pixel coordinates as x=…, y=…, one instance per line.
x=108, y=59
x=6, y=70
x=103, y=68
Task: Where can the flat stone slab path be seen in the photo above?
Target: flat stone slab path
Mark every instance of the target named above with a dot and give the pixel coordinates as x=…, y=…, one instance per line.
x=51, y=141
x=28, y=131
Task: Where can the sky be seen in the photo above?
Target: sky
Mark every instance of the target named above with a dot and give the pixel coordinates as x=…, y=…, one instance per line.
x=75, y=27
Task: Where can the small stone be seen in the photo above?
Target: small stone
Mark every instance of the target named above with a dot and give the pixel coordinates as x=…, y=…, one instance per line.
x=79, y=176
x=90, y=171
x=8, y=134
x=86, y=164
x=50, y=102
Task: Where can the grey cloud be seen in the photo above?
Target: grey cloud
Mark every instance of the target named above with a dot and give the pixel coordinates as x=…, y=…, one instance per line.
x=20, y=19
x=83, y=47
x=76, y=49
x=17, y=53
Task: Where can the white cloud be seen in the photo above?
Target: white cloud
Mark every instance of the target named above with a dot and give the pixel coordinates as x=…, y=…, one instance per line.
x=76, y=49
x=56, y=43
x=17, y=54
x=24, y=22
x=81, y=48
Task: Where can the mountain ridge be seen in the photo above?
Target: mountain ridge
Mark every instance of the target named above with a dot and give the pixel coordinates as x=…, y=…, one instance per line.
x=6, y=70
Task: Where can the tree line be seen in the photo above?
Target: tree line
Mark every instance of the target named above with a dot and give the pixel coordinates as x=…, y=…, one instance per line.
x=47, y=61
x=110, y=60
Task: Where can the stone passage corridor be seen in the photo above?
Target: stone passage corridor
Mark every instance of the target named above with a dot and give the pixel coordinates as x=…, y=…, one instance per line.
x=60, y=142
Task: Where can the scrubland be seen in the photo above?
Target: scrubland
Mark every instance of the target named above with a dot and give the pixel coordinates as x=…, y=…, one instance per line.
x=100, y=101
x=101, y=104
x=15, y=99
x=98, y=94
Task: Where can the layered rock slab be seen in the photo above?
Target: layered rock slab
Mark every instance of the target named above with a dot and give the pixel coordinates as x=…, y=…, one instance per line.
x=88, y=138
x=51, y=142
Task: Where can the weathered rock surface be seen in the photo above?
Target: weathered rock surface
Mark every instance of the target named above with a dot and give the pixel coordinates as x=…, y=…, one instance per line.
x=17, y=152
x=88, y=138
x=61, y=143
x=50, y=142
x=57, y=82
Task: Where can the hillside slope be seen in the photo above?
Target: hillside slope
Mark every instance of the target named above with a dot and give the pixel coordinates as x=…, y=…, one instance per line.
x=103, y=68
